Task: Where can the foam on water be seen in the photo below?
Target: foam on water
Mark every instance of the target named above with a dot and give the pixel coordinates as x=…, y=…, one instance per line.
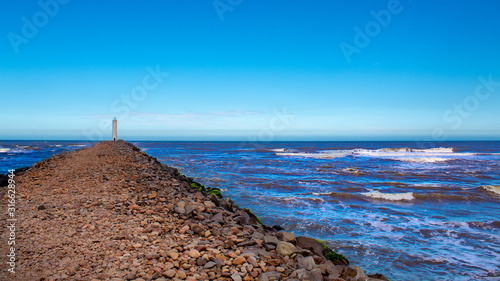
x=492, y=188
x=389, y=196
x=424, y=160
x=433, y=155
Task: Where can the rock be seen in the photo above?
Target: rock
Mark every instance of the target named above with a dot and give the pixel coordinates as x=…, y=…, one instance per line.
x=197, y=228
x=209, y=204
x=131, y=275
x=194, y=253
x=306, y=263
x=251, y=260
x=334, y=270
x=188, y=209
x=300, y=274
x=173, y=254
x=286, y=236
x=285, y=248
x=316, y=275
x=236, y=277
x=41, y=207
x=355, y=272
x=201, y=262
x=152, y=195
x=378, y=276
x=209, y=265
x=217, y=218
x=270, y=275
x=180, y=210
x=216, y=232
x=269, y=239
x=239, y=260
x=170, y=273
x=310, y=244
x=257, y=235
x=181, y=204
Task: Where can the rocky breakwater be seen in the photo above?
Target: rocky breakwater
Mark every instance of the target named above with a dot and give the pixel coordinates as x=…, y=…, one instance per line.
x=111, y=212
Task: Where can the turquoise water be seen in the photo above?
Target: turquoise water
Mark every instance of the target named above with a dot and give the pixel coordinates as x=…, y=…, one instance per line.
x=392, y=207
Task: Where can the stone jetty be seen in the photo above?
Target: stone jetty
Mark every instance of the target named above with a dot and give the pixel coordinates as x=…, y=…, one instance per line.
x=111, y=212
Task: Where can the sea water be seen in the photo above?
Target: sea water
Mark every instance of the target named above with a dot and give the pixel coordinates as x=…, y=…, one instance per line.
x=391, y=207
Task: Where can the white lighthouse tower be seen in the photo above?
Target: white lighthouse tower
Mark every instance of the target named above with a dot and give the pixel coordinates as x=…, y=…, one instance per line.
x=115, y=122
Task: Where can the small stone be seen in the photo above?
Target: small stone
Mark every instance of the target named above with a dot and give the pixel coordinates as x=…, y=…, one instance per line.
x=232, y=255
x=251, y=260
x=131, y=275
x=169, y=273
x=209, y=204
x=194, y=253
x=152, y=195
x=236, y=277
x=201, y=262
x=173, y=254
x=209, y=265
x=180, y=210
x=239, y=260
x=271, y=275
x=181, y=204
x=197, y=228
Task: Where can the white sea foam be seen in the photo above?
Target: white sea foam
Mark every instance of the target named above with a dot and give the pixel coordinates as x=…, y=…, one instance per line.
x=425, y=159
x=78, y=145
x=278, y=149
x=492, y=188
x=4, y=150
x=433, y=155
x=389, y=196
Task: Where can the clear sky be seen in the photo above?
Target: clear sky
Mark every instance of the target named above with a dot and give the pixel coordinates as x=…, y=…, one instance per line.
x=250, y=70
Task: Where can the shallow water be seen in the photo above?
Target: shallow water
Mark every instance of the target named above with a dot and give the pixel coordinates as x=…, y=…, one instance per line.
x=391, y=207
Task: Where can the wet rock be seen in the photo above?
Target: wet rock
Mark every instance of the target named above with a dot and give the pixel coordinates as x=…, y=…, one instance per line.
x=310, y=244
x=355, y=272
x=378, y=276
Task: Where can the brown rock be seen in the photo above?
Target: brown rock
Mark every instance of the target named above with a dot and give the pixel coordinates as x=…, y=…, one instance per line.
x=194, y=253
x=239, y=260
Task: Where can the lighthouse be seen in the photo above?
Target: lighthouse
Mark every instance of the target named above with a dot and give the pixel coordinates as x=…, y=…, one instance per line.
x=115, y=122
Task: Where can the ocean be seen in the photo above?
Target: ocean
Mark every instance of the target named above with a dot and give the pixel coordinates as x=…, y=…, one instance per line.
x=391, y=207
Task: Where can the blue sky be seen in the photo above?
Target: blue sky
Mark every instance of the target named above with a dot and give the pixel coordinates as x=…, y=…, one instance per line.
x=250, y=70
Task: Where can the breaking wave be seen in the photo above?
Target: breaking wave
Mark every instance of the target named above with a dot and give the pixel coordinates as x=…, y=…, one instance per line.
x=492, y=188
x=433, y=155
x=389, y=196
